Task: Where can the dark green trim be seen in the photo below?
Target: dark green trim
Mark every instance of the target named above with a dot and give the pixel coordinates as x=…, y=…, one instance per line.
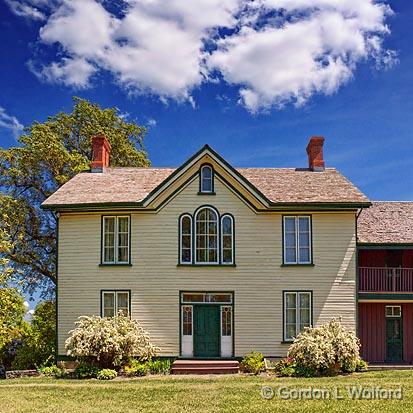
x=385, y=296
x=200, y=192
x=384, y=246
x=57, y=289
x=116, y=265
x=102, y=219
x=118, y=290
x=277, y=206
x=232, y=304
x=285, y=264
x=298, y=265
x=289, y=342
x=206, y=265
x=283, y=310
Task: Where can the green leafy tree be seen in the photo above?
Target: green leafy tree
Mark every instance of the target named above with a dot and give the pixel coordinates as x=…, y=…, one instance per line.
x=48, y=155
x=39, y=342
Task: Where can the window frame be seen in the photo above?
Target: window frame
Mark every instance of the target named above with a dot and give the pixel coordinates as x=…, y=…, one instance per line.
x=116, y=243
x=297, y=237
x=191, y=246
x=195, y=235
x=201, y=178
x=297, y=315
x=221, y=233
x=115, y=292
x=393, y=315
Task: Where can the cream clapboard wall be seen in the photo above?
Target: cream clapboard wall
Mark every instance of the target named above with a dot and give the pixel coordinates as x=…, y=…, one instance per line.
x=257, y=281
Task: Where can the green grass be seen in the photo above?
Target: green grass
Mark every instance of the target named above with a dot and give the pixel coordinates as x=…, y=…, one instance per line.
x=196, y=394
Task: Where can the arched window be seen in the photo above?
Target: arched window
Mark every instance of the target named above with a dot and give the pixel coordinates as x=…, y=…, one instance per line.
x=227, y=239
x=206, y=236
x=207, y=179
x=185, y=242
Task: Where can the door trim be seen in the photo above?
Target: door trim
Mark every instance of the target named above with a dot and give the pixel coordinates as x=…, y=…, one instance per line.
x=232, y=304
x=393, y=317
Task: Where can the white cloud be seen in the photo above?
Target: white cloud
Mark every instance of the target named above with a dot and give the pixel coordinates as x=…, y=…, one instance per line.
x=25, y=9
x=274, y=51
x=10, y=122
x=151, y=123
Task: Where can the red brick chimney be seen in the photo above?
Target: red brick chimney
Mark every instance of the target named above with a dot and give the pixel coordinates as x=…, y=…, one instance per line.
x=100, y=153
x=315, y=153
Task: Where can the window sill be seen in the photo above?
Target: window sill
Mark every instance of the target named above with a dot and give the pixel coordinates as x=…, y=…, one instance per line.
x=287, y=341
x=298, y=265
x=127, y=264
x=206, y=265
x=206, y=193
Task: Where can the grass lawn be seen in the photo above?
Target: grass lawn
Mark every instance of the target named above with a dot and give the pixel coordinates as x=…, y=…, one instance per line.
x=198, y=394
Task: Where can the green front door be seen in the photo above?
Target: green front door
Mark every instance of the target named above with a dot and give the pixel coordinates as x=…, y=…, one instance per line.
x=394, y=339
x=207, y=331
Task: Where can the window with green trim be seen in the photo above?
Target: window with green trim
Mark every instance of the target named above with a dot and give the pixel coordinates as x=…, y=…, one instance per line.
x=115, y=240
x=297, y=312
x=115, y=303
x=297, y=239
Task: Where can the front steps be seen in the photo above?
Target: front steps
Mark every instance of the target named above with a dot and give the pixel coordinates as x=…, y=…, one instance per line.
x=205, y=367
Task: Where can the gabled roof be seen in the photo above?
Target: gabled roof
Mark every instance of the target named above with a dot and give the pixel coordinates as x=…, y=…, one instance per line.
x=276, y=186
x=386, y=222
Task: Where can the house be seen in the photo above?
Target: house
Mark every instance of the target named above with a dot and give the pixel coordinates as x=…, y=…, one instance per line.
x=385, y=282
x=215, y=261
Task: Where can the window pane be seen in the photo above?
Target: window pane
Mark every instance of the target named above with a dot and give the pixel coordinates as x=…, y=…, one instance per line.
x=123, y=303
x=305, y=316
x=123, y=254
x=304, y=300
x=290, y=240
x=304, y=255
x=193, y=297
x=206, y=172
x=207, y=237
x=227, y=256
x=290, y=331
x=304, y=224
x=187, y=320
x=304, y=239
x=109, y=224
x=289, y=224
x=186, y=225
x=108, y=304
x=123, y=240
x=290, y=300
x=290, y=255
x=123, y=224
x=109, y=255
x=226, y=225
x=219, y=298
x=186, y=241
x=226, y=321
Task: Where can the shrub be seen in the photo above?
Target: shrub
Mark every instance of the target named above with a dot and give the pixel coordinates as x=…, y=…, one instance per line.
x=159, y=366
x=362, y=365
x=52, y=371
x=285, y=367
x=106, y=374
x=2, y=372
x=328, y=349
x=253, y=362
x=109, y=342
x=136, y=368
x=86, y=371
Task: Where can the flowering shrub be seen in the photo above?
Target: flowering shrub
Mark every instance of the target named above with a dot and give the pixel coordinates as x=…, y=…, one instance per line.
x=253, y=362
x=327, y=349
x=109, y=342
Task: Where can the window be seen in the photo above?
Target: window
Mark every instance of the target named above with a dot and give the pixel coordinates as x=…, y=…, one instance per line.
x=297, y=313
x=393, y=311
x=206, y=232
x=226, y=320
x=115, y=302
x=206, y=298
x=187, y=320
x=186, y=239
x=297, y=240
x=206, y=179
x=115, y=240
x=227, y=239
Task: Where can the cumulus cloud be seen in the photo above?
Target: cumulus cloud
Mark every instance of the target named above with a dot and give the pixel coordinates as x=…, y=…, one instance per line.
x=275, y=51
x=10, y=122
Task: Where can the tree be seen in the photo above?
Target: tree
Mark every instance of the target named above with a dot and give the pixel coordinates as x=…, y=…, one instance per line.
x=49, y=154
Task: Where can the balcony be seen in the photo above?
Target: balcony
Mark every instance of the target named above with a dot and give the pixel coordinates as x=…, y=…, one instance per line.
x=385, y=279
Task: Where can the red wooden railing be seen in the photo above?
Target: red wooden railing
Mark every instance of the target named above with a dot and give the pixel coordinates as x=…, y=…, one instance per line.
x=385, y=279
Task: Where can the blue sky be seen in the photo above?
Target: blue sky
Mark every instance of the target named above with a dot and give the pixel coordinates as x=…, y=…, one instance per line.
x=238, y=92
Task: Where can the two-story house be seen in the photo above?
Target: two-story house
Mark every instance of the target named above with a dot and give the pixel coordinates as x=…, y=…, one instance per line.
x=213, y=261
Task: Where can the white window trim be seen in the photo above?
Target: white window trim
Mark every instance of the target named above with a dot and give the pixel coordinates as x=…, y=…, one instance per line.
x=115, y=293
x=222, y=240
x=191, y=246
x=392, y=314
x=297, y=237
x=116, y=249
x=297, y=312
x=201, y=186
x=218, y=237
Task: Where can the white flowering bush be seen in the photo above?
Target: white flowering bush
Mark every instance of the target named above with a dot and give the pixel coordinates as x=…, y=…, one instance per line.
x=326, y=349
x=109, y=342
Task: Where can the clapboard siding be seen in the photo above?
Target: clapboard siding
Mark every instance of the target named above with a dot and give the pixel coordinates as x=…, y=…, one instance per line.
x=257, y=281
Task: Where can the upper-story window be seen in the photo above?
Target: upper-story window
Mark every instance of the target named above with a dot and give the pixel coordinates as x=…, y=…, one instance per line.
x=227, y=239
x=206, y=179
x=297, y=239
x=185, y=227
x=115, y=240
x=206, y=236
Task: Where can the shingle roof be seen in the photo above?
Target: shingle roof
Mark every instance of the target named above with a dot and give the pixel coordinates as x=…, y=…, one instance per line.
x=386, y=222
x=278, y=185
